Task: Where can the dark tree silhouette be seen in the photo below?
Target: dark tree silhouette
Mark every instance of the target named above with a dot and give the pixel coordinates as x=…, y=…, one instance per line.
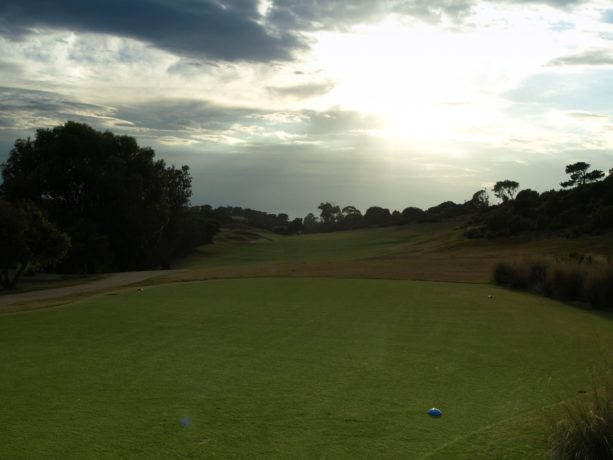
x=295, y=226
x=27, y=241
x=505, y=189
x=376, y=215
x=579, y=175
x=310, y=223
x=351, y=217
x=108, y=193
x=480, y=199
x=330, y=216
x=412, y=214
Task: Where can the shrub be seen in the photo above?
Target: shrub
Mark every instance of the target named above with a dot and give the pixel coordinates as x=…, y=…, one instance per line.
x=586, y=431
x=530, y=275
x=575, y=278
x=505, y=274
x=568, y=284
x=600, y=289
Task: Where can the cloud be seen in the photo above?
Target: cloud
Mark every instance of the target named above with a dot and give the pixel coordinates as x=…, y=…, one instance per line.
x=304, y=91
x=554, y=3
x=336, y=122
x=183, y=115
x=228, y=30
x=23, y=109
x=316, y=15
x=586, y=115
x=224, y=30
x=594, y=57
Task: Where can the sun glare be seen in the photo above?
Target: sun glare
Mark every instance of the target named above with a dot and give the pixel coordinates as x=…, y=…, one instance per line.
x=428, y=82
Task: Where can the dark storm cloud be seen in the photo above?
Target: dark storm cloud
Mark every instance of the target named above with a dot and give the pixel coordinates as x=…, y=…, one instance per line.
x=230, y=30
x=225, y=30
x=596, y=57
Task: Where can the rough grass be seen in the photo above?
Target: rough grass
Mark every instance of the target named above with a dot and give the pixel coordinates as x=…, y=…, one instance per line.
x=293, y=368
x=585, y=431
x=589, y=284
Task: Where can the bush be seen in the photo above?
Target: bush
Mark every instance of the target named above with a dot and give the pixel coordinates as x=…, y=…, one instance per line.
x=586, y=431
x=530, y=275
x=600, y=289
x=576, y=278
x=504, y=274
x=568, y=284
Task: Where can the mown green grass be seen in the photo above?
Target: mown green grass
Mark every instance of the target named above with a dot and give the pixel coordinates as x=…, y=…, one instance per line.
x=436, y=252
x=237, y=246
x=293, y=368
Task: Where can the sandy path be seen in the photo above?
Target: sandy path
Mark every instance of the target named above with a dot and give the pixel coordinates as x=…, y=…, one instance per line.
x=113, y=281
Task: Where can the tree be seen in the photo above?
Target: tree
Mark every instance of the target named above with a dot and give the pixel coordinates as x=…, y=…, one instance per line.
x=310, y=223
x=376, y=215
x=351, y=217
x=330, y=215
x=27, y=241
x=412, y=214
x=579, y=174
x=295, y=226
x=505, y=189
x=329, y=212
x=480, y=199
x=87, y=179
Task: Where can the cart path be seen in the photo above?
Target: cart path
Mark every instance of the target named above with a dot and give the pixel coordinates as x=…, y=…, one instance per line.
x=115, y=280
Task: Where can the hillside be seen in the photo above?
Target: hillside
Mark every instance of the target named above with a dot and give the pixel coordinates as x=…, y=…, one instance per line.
x=433, y=252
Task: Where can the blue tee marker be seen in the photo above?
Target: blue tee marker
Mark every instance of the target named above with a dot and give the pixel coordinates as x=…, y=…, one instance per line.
x=434, y=412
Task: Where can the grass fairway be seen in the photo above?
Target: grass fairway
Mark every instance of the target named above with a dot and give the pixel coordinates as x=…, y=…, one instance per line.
x=434, y=252
x=293, y=368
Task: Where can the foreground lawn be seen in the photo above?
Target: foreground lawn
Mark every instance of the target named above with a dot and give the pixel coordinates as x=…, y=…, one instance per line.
x=293, y=368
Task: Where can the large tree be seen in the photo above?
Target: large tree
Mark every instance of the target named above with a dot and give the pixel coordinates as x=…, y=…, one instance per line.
x=27, y=241
x=108, y=193
x=351, y=217
x=376, y=215
x=579, y=174
x=505, y=189
x=330, y=216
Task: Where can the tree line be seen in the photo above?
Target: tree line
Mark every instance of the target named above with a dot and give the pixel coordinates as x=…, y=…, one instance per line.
x=92, y=201
x=584, y=205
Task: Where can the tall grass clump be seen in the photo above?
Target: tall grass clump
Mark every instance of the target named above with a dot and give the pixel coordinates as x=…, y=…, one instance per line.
x=586, y=430
x=600, y=289
x=529, y=275
x=568, y=283
x=572, y=279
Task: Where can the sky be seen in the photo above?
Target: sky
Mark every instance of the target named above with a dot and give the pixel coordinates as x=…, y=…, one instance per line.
x=279, y=105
